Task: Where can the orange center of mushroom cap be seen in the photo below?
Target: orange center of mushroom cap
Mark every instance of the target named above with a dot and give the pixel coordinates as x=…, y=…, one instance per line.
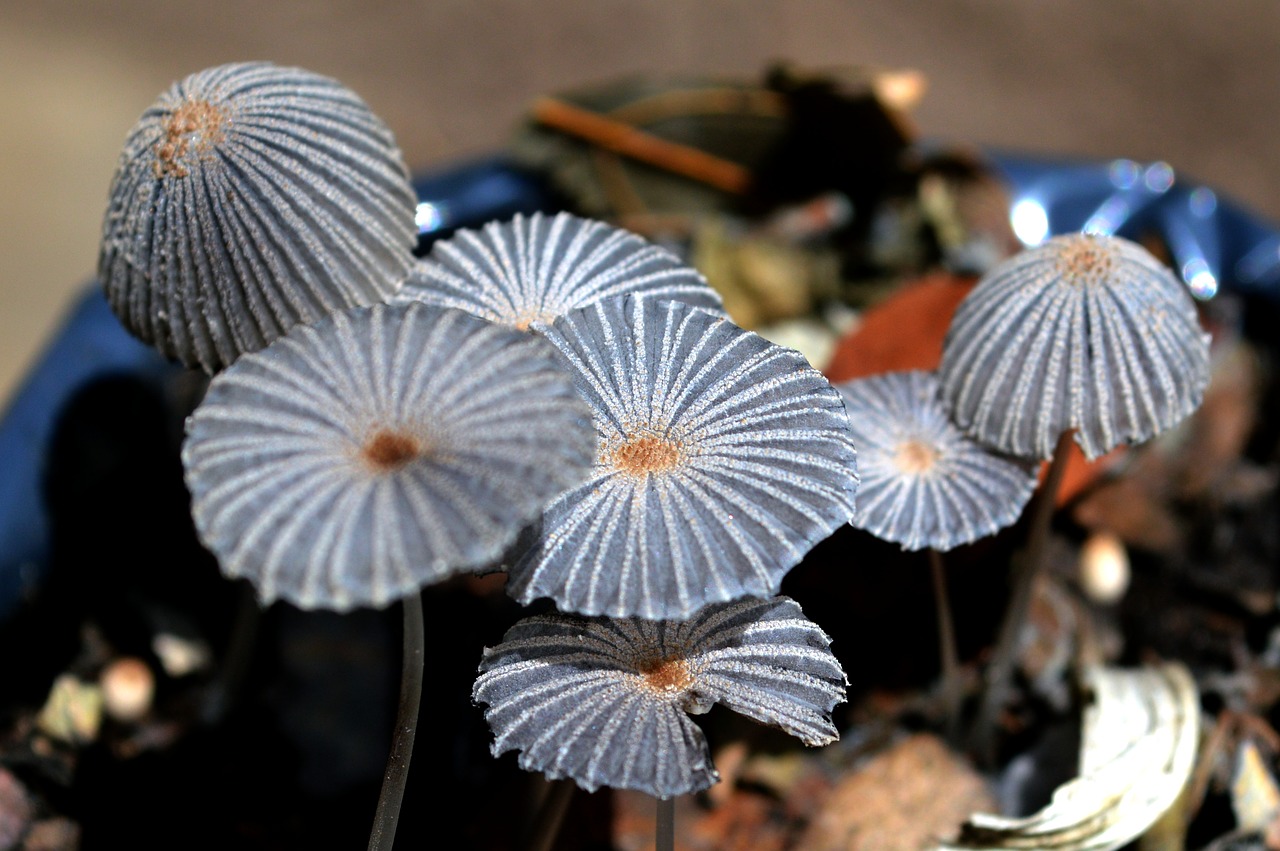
x=195, y=126
x=1084, y=260
x=387, y=450
x=532, y=315
x=913, y=457
x=648, y=453
x=666, y=676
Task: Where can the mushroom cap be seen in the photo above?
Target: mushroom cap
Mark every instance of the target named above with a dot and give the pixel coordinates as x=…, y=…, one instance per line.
x=533, y=269
x=1086, y=332
x=606, y=702
x=355, y=460
x=924, y=482
x=250, y=198
x=722, y=459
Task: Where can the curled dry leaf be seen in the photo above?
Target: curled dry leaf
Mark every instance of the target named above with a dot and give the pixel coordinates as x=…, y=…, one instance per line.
x=1140, y=736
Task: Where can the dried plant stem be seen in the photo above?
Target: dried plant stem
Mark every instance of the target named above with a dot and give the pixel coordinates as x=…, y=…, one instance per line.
x=1026, y=568
x=546, y=824
x=951, y=684
x=623, y=138
x=665, y=834
x=238, y=657
x=383, y=835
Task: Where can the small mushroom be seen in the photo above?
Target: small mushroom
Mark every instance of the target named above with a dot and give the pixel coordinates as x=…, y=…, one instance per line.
x=606, y=702
x=250, y=198
x=722, y=459
x=924, y=483
x=353, y=461
x=1086, y=332
x=534, y=269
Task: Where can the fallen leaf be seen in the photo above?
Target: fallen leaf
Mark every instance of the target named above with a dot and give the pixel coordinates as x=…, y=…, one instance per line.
x=1139, y=744
x=901, y=800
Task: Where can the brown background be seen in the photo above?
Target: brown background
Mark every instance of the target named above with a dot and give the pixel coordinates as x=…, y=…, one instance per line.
x=1193, y=82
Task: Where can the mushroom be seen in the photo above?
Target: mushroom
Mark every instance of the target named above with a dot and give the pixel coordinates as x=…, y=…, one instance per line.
x=250, y=198
x=722, y=458
x=1088, y=336
x=1086, y=333
x=926, y=485
x=357, y=459
x=606, y=702
x=532, y=270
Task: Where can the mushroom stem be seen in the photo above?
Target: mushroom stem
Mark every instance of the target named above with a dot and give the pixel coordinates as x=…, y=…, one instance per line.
x=238, y=657
x=546, y=824
x=951, y=684
x=383, y=835
x=665, y=832
x=1026, y=568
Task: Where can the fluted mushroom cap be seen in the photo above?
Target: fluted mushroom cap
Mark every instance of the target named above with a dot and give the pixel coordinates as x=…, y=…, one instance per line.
x=250, y=198
x=606, y=702
x=533, y=269
x=924, y=483
x=722, y=459
x=379, y=450
x=1084, y=332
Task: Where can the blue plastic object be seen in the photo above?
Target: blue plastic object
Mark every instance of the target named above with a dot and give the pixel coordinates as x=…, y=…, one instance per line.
x=1216, y=245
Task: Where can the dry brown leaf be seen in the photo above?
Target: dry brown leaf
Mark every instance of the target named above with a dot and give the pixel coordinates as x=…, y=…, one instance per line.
x=901, y=800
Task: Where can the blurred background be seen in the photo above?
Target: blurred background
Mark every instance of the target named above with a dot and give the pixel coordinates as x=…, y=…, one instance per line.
x=1194, y=84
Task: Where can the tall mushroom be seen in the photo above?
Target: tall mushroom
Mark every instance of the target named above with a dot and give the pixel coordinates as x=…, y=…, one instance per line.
x=1086, y=337
x=353, y=461
x=927, y=485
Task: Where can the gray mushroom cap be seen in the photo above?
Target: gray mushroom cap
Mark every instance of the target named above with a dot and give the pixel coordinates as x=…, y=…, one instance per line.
x=250, y=198
x=1084, y=332
x=606, y=702
x=722, y=459
x=351, y=462
x=924, y=483
x=533, y=269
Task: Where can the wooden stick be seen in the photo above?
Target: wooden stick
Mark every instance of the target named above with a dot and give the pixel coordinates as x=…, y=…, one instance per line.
x=645, y=147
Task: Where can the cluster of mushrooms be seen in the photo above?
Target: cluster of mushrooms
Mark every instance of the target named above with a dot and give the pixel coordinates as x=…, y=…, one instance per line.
x=560, y=399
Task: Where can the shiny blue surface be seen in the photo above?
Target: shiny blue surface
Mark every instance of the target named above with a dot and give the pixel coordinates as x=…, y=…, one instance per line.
x=90, y=344
x=1216, y=245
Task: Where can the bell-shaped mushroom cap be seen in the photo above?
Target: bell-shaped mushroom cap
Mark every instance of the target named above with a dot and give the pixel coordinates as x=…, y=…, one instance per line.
x=722, y=459
x=250, y=198
x=924, y=483
x=353, y=461
x=1084, y=332
x=605, y=702
x=532, y=270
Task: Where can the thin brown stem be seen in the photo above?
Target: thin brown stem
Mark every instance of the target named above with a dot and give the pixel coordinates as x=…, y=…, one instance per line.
x=546, y=825
x=951, y=684
x=383, y=835
x=665, y=829
x=1027, y=567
